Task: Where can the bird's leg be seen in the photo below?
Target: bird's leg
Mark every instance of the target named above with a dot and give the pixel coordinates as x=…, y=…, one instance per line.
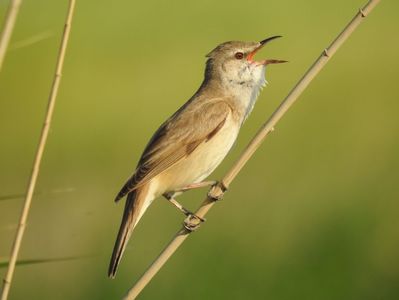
x=171, y=198
x=196, y=186
x=216, y=192
x=192, y=222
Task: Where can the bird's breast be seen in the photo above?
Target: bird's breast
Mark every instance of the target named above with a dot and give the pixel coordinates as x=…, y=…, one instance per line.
x=203, y=160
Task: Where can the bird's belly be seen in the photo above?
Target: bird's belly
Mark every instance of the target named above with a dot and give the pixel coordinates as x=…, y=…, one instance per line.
x=202, y=161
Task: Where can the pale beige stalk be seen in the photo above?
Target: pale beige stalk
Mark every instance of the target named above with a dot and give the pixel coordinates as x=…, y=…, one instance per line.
x=39, y=153
x=251, y=148
x=8, y=27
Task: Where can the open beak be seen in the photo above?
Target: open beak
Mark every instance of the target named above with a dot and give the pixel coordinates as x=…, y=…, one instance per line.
x=251, y=55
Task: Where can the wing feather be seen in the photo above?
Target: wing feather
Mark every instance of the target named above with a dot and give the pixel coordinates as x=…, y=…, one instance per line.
x=177, y=138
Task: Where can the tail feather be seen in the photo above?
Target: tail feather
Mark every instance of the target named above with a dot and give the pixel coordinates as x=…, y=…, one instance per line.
x=136, y=203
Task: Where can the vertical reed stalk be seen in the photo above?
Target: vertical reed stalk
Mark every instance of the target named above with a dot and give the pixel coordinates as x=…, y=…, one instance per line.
x=8, y=27
x=267, y=127
x=39, y=154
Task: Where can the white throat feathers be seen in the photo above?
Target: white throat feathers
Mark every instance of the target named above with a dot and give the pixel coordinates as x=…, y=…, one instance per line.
x=246, y=85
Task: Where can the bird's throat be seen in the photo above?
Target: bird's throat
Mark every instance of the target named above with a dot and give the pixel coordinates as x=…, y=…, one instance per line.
x=246, y=91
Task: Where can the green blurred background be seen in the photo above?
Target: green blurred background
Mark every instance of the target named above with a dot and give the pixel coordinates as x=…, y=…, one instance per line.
x=314, y=214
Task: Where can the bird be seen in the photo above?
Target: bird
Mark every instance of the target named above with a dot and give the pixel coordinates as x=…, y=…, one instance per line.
x=190, y=144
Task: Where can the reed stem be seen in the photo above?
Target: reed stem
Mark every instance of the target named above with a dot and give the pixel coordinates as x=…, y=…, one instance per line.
x=39, y=154
x=8, y=28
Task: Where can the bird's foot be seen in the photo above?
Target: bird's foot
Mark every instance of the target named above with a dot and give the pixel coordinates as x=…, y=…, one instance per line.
x=193, y=222
x=217, y=191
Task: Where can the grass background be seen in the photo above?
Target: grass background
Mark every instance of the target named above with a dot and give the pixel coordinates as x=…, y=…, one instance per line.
x=314, y=214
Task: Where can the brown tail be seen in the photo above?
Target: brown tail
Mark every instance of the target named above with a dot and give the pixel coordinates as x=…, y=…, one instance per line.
x=131, y=215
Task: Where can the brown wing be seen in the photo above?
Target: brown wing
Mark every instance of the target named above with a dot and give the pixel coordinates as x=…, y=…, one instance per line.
x=179, y=136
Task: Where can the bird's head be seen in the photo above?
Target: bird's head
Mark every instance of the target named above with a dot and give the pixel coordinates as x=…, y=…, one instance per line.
x=234, y=62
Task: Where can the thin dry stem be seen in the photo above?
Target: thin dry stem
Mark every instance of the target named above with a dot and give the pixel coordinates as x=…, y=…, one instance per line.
x=268, y=127
x=39, y=153
x=8, y=27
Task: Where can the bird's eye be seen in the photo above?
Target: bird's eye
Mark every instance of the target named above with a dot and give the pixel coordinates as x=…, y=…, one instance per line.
x=239, y=55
